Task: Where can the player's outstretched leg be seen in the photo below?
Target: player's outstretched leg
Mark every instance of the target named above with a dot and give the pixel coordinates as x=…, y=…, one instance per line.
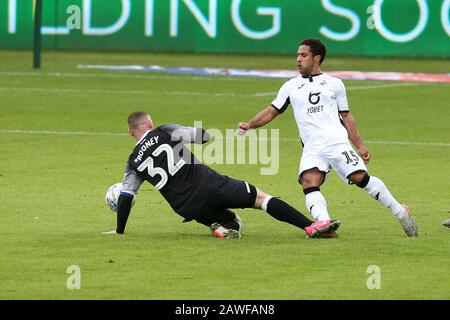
x=282, y=211
x=230, y=226
x=408, y=223
x=222, y=232
x=222, y=223
x=378, y=190
x=316, y=204
x=236, y=223
x=323, y=229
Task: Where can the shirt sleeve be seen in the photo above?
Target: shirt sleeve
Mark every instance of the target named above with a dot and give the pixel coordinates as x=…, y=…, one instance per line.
x=341, y=97
x=186, y=134
x=131, y=182
x=282, y=100
x=131, y=185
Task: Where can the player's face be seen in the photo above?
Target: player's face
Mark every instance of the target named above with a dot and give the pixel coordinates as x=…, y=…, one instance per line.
x=305, y=60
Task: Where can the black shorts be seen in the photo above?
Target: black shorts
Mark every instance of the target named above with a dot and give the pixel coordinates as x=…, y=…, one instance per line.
x=214, y=207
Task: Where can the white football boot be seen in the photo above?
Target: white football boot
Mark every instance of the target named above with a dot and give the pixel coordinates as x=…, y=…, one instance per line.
x=221, y=232
x=408, y=223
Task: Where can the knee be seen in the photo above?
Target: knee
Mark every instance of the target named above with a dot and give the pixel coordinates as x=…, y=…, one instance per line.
x=361, y=179
x=311, y=178
x=260, y=197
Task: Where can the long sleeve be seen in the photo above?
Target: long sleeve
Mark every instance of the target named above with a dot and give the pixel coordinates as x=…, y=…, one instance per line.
x=131, y=185
x=186, y=134
x=123, y=211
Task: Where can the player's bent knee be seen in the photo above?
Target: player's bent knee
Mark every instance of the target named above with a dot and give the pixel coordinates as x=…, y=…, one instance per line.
x=361, y=179
x=311, y=178
x=310, y=183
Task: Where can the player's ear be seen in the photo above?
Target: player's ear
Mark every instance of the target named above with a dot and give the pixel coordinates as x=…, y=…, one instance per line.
x=317, y=58
x=129, y=132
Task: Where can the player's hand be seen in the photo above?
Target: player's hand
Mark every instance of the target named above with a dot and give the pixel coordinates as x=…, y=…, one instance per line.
x=243, y=127
x=110, y=232
x=365, y=154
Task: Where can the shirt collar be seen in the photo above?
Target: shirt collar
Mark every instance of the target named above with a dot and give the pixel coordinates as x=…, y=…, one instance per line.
x=310, y=77
x=143, y=136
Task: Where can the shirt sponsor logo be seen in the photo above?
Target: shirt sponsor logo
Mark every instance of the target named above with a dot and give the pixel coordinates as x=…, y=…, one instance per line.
x=315, y=109
x=314, y=98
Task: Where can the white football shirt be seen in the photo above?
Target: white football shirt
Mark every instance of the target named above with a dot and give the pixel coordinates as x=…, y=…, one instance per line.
x=316, y=102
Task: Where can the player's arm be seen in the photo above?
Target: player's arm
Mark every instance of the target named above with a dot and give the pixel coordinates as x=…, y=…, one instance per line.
x=131, y=185
x=349, y=122
x=354, y=136
x=186, y=134
x=262, y=118
x=123, y=211
x=277, y=107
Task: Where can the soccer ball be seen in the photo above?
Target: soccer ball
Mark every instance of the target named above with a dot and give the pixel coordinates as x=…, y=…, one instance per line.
x=112, y=196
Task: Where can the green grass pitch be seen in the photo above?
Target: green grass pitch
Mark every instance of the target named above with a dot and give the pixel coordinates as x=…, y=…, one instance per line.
x=52, y=186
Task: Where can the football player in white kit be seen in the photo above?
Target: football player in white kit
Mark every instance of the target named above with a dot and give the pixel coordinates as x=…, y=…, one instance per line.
x=325, y=124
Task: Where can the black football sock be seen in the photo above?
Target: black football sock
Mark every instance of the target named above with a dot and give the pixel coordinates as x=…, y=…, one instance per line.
x=231, y=224
x=282, y=211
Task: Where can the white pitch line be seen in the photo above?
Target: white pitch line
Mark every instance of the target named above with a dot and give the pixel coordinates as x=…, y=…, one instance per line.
x=195, y=78
x=406, y=143
x=409, y=143
x=381, y=86
x=127, y=92
x=181, y=93
x=86, y=133
x=64, y=133
x=124, y=76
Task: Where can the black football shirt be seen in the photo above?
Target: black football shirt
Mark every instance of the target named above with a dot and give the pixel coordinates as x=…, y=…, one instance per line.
x=161, y=158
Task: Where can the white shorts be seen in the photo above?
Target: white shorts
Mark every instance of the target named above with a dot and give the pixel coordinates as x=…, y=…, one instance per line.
x=341, y=157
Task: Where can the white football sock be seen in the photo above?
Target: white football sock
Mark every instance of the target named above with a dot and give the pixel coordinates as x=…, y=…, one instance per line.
x=378, y=190
x=317, y=206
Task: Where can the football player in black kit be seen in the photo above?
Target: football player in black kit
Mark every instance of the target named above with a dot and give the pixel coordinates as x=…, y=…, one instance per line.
x=193, y=190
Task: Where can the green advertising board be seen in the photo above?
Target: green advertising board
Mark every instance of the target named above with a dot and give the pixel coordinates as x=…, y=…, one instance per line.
x=348, y=27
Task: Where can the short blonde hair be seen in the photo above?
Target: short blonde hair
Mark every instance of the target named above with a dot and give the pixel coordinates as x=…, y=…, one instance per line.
x=137, y=119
